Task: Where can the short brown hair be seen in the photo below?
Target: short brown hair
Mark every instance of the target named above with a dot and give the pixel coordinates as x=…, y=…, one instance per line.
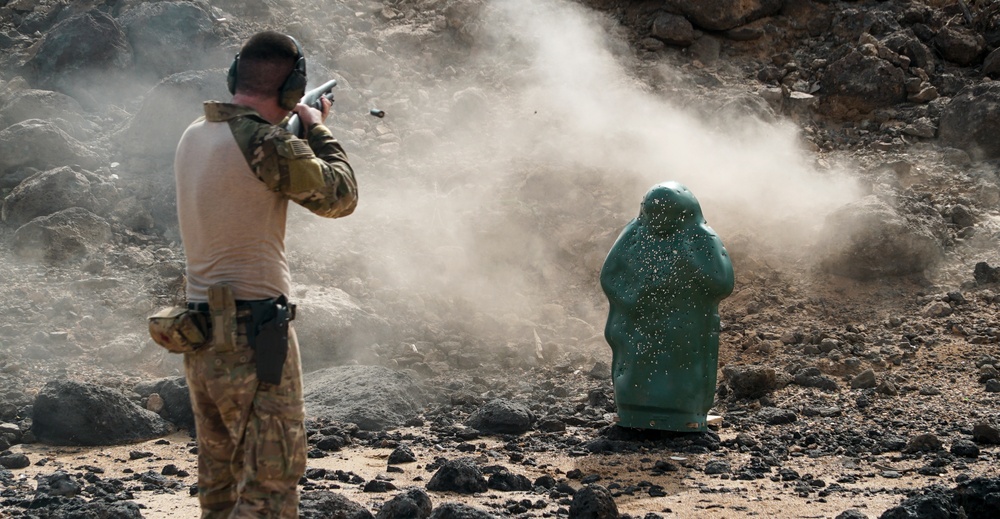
x=265, y=61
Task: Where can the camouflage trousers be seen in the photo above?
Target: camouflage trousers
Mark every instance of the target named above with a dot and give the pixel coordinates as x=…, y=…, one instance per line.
x=251, y=435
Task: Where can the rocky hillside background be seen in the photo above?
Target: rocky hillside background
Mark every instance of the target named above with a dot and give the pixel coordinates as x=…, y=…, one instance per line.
x=844, y=151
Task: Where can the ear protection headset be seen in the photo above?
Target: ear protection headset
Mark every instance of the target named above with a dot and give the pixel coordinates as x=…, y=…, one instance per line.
x=291, y=90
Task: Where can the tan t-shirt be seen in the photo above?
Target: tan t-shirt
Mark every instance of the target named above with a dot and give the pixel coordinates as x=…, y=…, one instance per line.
x=235, y=174
x=232, y=225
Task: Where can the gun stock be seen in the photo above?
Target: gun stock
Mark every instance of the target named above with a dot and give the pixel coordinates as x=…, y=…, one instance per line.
x=311, y=98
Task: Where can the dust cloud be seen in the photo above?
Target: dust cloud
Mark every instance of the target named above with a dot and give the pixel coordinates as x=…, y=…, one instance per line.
x=519, y=164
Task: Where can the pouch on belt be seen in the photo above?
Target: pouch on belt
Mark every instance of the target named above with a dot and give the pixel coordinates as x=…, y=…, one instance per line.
x=178, y=329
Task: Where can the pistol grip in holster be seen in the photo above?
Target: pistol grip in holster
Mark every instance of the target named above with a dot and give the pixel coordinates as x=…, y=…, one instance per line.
x=268, y=337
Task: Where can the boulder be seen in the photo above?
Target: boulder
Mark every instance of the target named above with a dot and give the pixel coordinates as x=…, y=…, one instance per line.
x=752, y=381
x=168, y=109
x=80, y=53
x=460, y=511
x=13, y=461
x=401, y=454
x=506, y=481
x=80, y=413
x=991, y=64
x=722, y=15
x=870, y=239
x=984, y=274
x=979, y=497
x=776, y=416
x=41, y=144
x=331, y=325
x=412, y=503
x=907, y=44
x=673, y=30
x=171, y=37
x=68, y=235
x=59, y=495
x=176, y=401
x=813, y=377
x=460, y=475
x=986, y=434
x=960, y=45
x=56, y=107
x=935, y=502
x=971, y=121
x=34, y=15
x=859, y=83
x=923, y=443
x=323, y=504
x=373, y=397
x=502, y=417
x=594, y=502
x=864, y=380
x=706, y=49
x=51, y=191
x=851, y=23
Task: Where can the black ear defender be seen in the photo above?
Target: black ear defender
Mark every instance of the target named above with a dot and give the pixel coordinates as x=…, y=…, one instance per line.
x=294, y=86
x=291, y=90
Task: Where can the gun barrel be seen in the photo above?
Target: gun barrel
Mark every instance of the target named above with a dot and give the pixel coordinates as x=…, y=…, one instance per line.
x=311, y=97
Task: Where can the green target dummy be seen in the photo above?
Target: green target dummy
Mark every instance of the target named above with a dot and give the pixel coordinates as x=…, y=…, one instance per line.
x=664, y=279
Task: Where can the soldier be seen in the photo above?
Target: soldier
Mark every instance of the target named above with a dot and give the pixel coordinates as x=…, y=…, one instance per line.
x=236, y=169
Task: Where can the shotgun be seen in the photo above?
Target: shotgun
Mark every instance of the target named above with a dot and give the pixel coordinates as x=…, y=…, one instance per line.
x=312, y=98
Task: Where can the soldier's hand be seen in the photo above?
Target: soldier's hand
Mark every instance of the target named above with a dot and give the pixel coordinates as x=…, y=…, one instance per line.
x=310, y=116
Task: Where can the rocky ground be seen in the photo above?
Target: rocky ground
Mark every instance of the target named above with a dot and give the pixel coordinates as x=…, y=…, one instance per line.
x=452, y=327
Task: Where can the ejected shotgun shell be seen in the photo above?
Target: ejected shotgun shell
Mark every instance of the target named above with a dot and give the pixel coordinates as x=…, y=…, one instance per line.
x=377, y=113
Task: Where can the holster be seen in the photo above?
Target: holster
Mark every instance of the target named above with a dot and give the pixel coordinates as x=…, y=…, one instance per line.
x=267, y=335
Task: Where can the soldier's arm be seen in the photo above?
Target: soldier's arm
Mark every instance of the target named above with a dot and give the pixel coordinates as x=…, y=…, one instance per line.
x=313, y=173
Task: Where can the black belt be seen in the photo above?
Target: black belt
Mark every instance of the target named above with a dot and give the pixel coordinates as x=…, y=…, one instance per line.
x=240, y=305
x=203, y=307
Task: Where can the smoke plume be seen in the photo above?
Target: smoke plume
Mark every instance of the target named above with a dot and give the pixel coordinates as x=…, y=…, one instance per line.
x=518, y=164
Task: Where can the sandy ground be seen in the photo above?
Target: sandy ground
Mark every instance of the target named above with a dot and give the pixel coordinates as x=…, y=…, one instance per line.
x=690, y=493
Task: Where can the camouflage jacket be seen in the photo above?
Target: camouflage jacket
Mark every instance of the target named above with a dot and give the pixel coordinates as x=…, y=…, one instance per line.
x=313, y=173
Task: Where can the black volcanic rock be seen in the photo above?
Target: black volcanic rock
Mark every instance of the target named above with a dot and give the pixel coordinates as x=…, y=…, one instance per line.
x=506, y=481
x=459, y=511
x=78, y=413
x=751, y=381
x=373, y=397
x=330, y=505
x=460, y=475
x=412, y=503
x=401, y=454
x=969, y=121
x=593, y=502
x=935, y=503
x=176, y=399
x=979, y=498
x=776, y=416
x=502, y=417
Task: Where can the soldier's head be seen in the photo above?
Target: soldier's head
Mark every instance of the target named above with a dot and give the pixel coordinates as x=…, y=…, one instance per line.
x=270, y=64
